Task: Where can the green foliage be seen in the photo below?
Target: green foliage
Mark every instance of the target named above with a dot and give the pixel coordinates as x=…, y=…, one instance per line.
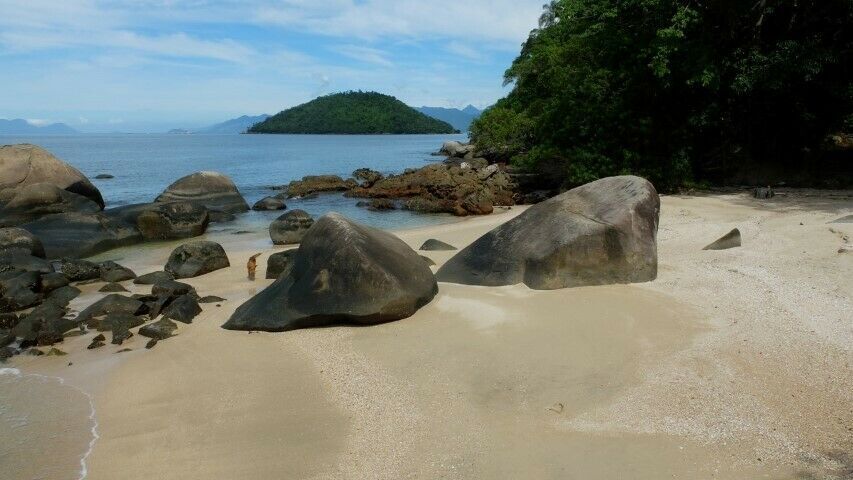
x=352, y=113
x=674, y=89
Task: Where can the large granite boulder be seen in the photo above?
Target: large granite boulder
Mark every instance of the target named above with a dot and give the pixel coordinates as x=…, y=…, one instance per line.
x=212, y=190
x=165, y=221
x=81, y=235
x=33, y=201
x=196, y=258
x=453, y=148
x=19, y=240
x=25, y=164
x=603, y=232
x=290, y=228
x=343, y=272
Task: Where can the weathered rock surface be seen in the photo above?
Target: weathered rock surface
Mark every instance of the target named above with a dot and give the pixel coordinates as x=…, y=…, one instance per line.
x=112, y=272
x=159, y=330
x=62, y=296
x=112, y=288
x=343, y=272
x=19, y=290
x=113, y=303
x=24, y=164
x=436, y=245
x=603, y=232
x=269, y=204
x=33, y=201
x=318, y=183
x=52, y=281
x=367, y=177
x=453, y=148
x=291, y=227
x=81, y=235
x=153, y=277
x=172, y=289
x=278, y=263
x=16, y=240
x=183, y=309
x=729, y=240
x=79, y=270
x=165, y=221
x=196, y=258
x=23, y=262
x=212, y=190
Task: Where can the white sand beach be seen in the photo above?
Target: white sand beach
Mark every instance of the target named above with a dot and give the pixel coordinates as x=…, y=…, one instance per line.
x=732, y=364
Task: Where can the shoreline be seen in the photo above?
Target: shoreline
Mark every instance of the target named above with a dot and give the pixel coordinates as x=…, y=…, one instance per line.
x=680, y=395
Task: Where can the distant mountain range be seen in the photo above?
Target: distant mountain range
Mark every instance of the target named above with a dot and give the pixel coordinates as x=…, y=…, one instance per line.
x=235, y=125
x=23, y=127
x=460, y=119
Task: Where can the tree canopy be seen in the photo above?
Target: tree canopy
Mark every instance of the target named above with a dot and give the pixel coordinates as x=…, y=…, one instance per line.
x=352, y=113
x=674, y=90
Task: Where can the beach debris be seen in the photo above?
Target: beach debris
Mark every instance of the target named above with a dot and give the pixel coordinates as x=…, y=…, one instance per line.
x=112, y=272
x=345, y=272
x=212, y=190
x=211, y=299
x=278, y=263
x=153, y=277
x=436, y=245
x=183, y=309
x=197, y=258
x=112, y=288
x=160, y=330
x=252, y=265
x=601, y=233
x=290, y=228
x=269, y=204
x=763, y=193
x=729, y=240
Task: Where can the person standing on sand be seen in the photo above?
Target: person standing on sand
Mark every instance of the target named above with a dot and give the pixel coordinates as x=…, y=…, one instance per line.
x=252, y=265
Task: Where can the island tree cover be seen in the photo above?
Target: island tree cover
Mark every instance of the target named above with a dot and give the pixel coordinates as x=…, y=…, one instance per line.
x=674, y=90
x=352, y=113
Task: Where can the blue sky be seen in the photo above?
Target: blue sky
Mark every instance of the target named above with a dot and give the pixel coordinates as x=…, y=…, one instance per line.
x=150, y=65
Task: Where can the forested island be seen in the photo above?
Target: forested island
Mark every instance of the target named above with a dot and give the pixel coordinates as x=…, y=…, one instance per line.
x=352, y=113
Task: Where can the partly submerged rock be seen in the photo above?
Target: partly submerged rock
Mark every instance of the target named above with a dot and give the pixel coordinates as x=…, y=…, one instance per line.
x=436, y=245
x=269, y=203
x=213, y=190
x=17, y=240
x=318, y=183
x=343, y=272
x=367, y=177
x=24, y=164
x=729, y=240
x=196, y=258
x=278, y=263
x=173, y=220
x=81, y=235
x=600, y=233
x=290, y=228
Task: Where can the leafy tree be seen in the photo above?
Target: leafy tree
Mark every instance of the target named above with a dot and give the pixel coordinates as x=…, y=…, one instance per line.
x=669, y=89
x=352, y=113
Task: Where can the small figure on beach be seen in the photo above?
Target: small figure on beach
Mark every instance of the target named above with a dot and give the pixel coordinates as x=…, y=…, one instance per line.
x=252, y=265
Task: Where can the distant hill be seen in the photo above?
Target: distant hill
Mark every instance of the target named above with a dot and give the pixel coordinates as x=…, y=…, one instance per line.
x=352, y=113
x=23, y=127
x=460, y=119
x=235, y=125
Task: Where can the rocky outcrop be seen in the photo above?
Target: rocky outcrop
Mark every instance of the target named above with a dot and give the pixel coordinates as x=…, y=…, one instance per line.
x=196, y=258
x=269, y=204
x=18, y=240
x=343, y=272
x=213, y=190
x=81, y=235
x=727, y=241
x=603, y=232
x=33, y=201
x=456, y=149
x=165, y=221
x=290, y=228
x=23, y=165
x=318, y=183
x=367, y=177
x=279, y=263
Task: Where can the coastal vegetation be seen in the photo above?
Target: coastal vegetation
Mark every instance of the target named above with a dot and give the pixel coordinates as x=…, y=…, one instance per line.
x=352, y=113
x=675, y=91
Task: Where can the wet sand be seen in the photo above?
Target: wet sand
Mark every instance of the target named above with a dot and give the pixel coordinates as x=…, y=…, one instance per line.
x=733, y=364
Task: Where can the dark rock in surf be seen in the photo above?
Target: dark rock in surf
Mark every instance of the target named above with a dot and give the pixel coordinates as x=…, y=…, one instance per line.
x=269, y=204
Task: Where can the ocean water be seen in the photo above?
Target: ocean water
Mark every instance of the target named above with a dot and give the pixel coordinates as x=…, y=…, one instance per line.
x=144, y=165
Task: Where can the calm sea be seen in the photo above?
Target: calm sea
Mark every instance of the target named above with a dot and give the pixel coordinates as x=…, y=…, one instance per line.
x=144, y=165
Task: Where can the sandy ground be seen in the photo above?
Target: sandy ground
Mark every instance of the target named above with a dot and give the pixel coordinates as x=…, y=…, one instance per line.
x=732, y=364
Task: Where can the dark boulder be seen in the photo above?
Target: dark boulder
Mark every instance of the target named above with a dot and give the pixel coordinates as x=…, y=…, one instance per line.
x=183, y=309
x=112, y=288
x=172, y=289
x=729, y=240
x=113, y=303
x=62, y=296
x=153, y=277
x=18, y=240
x=763, y=193
x=211, y=299
x=278, y=263
x=119, y=320
x=428, y=260
x=112, y=272
x=82, y=235
x=174, y=220
x=19, y=290
x=436, y=245
x=52, y=281
x=120, y=334
x=8, y=321
x=31, y=202
x=601, y=233
x=290, y=227
x=343, y=272
x=213, y=190
x=104, y=176
x=79, y=270
x=25, y=164
x=21, y=261
x=196, y=258
x=159, y=330
x=269, y=203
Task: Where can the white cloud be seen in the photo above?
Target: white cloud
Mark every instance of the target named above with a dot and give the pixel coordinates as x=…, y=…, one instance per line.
x=365, y=54
x=38, y=122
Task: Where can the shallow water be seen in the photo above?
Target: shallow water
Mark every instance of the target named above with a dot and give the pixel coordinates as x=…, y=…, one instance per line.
x=144, y=165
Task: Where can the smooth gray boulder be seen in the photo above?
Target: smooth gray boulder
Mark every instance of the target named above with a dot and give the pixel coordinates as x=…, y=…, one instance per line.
x=343, y=272
x=278, y=263
x=196, y=258
x=290, y=228
x=14, y=239
x=25, y=164
x=213, y=190
x=436, y=245
x=729, y=240
x=268, y=204
x=165, y=221
x=33, y=201
x=81, y=235
x=601, y=233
